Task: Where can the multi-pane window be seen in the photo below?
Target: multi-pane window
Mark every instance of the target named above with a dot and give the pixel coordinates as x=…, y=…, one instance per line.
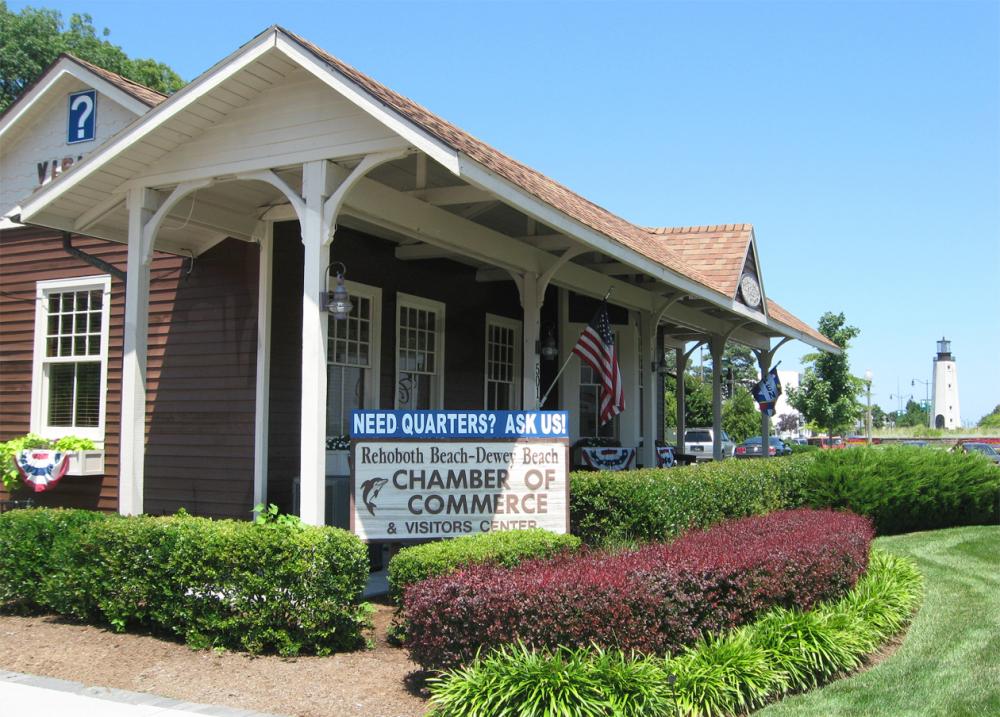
x=419, y=353
x=71, y=354
x=502, y=364
x=351, y=357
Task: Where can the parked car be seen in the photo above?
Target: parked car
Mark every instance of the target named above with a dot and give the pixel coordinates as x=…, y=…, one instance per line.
x=698, y=442
x=825, y=443
x=984, y=448
x=918, y=444
x=798, y=441
x=750, y=448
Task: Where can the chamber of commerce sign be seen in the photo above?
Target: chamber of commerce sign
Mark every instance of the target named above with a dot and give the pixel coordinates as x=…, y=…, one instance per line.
x=435, y=474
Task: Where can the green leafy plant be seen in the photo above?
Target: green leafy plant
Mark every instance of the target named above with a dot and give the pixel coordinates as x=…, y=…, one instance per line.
x=10, y=449
x=271, y=514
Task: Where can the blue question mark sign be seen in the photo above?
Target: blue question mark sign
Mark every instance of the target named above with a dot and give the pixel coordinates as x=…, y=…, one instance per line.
x=82, y=125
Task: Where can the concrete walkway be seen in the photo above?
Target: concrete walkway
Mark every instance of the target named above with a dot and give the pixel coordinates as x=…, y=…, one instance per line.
x=30, y=696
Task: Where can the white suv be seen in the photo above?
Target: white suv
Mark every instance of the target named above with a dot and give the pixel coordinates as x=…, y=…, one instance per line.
x=698, y=443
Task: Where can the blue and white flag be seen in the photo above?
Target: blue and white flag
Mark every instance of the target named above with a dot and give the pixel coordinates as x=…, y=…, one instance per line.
x=766, y=392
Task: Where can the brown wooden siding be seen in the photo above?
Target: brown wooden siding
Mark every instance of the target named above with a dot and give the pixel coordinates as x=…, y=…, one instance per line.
x=202, y=342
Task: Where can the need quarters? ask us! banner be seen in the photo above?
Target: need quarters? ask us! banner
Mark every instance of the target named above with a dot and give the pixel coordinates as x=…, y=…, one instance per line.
x=434, y=474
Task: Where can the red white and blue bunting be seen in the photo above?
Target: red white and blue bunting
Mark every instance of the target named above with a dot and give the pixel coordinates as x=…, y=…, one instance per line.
x=608, y=459
x=41, y=469
x=665, y=457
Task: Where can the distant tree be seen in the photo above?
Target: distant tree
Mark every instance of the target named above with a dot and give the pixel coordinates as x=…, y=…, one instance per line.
x=740, y=417
x=31, y=40
x=828, y=394
x=878, y=417
x=992, y=419
x=915, y=416
x=697, y=402
x=789, y=422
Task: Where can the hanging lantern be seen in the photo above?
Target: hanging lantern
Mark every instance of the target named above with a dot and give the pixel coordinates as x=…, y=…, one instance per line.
x=550, y=350
x=338, y=301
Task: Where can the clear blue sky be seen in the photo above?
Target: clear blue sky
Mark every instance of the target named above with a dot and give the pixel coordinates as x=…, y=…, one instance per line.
x=860, y=139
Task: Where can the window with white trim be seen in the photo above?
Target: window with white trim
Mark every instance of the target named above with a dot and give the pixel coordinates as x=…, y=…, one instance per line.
x=419, y=352
x=353, y=359
x=69, y=385
x=503, y=365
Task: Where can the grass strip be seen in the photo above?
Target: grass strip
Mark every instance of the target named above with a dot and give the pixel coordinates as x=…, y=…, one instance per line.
x=949, y=664
x=785, y=651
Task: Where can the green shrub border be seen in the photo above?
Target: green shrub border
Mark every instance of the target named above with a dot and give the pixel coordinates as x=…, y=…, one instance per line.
x=507, y=548
x=260, y=587
x=784, y=652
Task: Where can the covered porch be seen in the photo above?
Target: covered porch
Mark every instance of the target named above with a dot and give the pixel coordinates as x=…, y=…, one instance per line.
x=462, y=264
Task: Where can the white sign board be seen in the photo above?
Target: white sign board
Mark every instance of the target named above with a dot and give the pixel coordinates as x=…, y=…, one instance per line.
x=421, y=488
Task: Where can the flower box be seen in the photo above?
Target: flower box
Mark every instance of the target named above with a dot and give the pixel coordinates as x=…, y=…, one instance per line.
x=86, y=463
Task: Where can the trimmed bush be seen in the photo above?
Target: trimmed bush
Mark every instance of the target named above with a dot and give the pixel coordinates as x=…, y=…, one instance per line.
x=30, y=542
x=653, y=600
x=628, y=507
x=905, y=489
x=256, y=587
x=785, y=651
x=507, y=548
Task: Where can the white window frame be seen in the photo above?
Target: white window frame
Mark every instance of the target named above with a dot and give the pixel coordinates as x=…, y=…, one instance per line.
x=514, y=325
x=374, y=295
x=39, y=376
x=419, y=302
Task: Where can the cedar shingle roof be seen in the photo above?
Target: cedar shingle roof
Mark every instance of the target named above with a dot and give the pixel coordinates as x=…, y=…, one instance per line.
x=717, y=251
x=528, y=179
x=147, y=96
x=778, y=313
x=687, y=257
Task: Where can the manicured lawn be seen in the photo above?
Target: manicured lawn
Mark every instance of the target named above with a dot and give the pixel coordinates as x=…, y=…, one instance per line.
x=949, y=664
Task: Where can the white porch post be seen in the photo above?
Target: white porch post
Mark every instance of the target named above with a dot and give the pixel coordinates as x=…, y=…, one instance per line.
x=647, y=364
x=717, y=345
x=142, y=204
x=531, y=305
x=315, y=328
x=263, y=363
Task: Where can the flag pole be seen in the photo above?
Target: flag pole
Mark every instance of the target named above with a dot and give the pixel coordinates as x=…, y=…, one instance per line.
x=555, y=381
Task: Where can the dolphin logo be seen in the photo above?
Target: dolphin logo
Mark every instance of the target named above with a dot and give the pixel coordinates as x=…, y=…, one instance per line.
x=370, y=490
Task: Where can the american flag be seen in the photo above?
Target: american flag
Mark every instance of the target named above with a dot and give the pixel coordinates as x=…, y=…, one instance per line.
x=597, y=347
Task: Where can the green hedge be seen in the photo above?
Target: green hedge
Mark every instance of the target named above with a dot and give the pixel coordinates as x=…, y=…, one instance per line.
x=506, y=548
x=785, y=651
x=613, y=508
x=906, y=488
x=235, y=584
x=31, y=542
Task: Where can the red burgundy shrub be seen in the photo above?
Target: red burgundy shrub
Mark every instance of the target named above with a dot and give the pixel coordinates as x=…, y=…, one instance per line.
x=654, y=600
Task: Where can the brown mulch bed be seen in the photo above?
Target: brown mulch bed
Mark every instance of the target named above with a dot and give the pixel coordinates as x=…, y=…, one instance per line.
x=375, y=683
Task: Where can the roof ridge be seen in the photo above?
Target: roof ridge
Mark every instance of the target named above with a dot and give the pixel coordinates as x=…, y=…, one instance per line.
x=699, y=229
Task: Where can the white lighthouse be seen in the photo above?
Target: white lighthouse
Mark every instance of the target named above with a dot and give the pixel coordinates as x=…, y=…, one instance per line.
x=944, y=408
